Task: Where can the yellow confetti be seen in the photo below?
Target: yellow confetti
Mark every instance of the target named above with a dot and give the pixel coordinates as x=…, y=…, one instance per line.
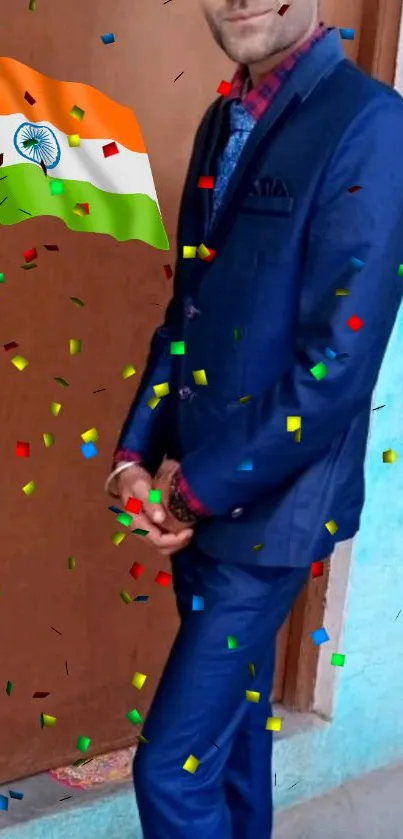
x=297, y=436
x=200, y=377
x=73, y=140
x=293, y=423
x=161, y=390
x=258, y=547
x=19, y=362
x=153, y=402
x=75, y=346
x=55, y=408
x=189, y=252
x=125, y=596
x=128, y=371
x=389, y=456
x=252, y=670
x=331, y=526
x=138, y=680
x=203, y=251
x=117, y=538
x=28, y=489
x=273, y=724
x=71, y=562
x=244, y=399
x=90, y=436
x=77, y=112
x=191, y=764
x=142, y=739
x=79, y=210
x=48, y=721
x=342, y=292
x=48, y=439
x=253, y=695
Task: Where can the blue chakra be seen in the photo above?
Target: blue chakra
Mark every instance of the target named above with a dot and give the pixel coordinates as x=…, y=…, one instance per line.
x=37, y=143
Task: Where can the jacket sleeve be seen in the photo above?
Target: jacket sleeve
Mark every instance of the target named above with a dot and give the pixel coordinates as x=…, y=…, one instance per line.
x=355, y=239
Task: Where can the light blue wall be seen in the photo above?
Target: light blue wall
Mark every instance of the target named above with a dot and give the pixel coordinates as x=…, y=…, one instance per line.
x=367, y=729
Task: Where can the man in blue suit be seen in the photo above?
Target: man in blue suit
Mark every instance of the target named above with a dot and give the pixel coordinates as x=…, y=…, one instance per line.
x=252, y=415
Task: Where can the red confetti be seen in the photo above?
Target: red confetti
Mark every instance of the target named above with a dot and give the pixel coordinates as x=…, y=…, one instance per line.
x=109, y=149
x=284, y=8
x=206, y=182
x=51, y=247
x=22, y=449
x=211, y=255
x=224, y=88
x=355, y=323
x=12, y=345
x=133, y=505
x=86, y=208
x=40, y=694
x=163, y=578
x=354, y=189
x=317, y=569
x=30, y=254
x=167, y=271
x=28, y=98
x=136, y=570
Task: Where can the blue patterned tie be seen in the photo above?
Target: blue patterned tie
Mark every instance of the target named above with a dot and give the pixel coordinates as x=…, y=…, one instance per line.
x=241, y=125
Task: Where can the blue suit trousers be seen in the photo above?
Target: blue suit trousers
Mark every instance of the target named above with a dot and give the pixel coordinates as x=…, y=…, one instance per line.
x=200, y=706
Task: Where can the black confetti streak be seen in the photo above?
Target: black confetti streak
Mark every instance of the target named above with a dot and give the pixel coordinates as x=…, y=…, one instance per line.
x=4, y=199
x=379, y=407
x=24, y=211
x=275, y=779
x=56, y=630
x=100, y=390
x=398, y=615
x=178, y=77
x=66, y=798
x=294, y=785
x=4, y=178
x=67, y=669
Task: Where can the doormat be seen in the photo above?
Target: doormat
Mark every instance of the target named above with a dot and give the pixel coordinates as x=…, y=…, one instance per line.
x=104, y=769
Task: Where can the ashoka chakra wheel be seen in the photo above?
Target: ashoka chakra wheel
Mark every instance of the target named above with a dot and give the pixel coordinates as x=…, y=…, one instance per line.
x=37, y=143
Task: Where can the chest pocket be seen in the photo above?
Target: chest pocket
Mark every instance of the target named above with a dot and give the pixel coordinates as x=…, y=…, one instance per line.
x=268, y=205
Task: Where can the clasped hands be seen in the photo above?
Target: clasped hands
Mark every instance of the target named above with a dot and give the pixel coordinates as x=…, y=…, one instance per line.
x=165, y=532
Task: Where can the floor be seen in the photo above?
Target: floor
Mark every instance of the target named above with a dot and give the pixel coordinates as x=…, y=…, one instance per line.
x=370, y=807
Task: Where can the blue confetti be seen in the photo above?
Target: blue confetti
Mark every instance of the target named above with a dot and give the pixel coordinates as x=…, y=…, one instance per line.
x=14, y=794
x=108, y=39
x=358, y=264
x=141, y=598
x=197, y=603
x=246, y=466
x=319, y=636
x=329, y=354
x=3, y=802
x=347, y=34
x=89, y=450
x=116, y=510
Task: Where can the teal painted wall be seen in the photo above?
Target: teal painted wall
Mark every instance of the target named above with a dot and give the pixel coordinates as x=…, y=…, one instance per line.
x=367, y=728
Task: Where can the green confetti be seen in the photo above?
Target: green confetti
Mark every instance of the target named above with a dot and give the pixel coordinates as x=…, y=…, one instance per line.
x=400, y=271
x=71, y=563
x=237, y=334
x=48, y=439
x=125, y=519
x=77, y=112
x=77, y=301
x=232, y=642
x=9, y=687
x=83, y=744
x=337, y=659
x=56, y=187
x=177, y=348
x=134, y=717
x=2, y=278
x=61, y=381
x=154, y=496
x=139, y=532
x=319, y=371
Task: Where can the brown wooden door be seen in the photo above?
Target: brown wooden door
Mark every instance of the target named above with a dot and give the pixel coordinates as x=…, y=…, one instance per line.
x=68, y=633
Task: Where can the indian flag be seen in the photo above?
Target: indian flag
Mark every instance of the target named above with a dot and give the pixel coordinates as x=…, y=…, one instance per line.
x=67, y=150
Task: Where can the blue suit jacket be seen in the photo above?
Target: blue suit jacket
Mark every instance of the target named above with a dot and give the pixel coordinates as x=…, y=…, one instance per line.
x=281, y=254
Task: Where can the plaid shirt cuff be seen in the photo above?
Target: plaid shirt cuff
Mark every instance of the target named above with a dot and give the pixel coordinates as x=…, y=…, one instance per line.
x=183, y=504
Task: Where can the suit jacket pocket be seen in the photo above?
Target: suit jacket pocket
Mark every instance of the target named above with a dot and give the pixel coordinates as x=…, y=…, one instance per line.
x=270, y=205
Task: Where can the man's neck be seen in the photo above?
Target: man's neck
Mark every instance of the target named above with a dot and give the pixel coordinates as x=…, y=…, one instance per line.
x=258, y=71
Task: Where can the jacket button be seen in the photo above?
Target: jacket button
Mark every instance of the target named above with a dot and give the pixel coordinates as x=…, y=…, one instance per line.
x=185, y=392
x=237, y=512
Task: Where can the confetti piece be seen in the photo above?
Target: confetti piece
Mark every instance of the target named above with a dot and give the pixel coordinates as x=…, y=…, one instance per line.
x=71, y=562
x=28, y=98
x=161, y=390
x=30, y=254
x=244, y=399
x=73, y=140
x=319, y=636
x=116, y=510
x=47, y=721
x=245, y=466
x=29, y=267
x=56, y=187
x=389, y=456
x=89, y=450
x=358, y=264
x=124, y=519
x=331, y=526
x=61, y=381
x=81, y=210
x=293, y=423
x=153, y=402
x=51, y=247
x=189, y=251
x=252, y=670
x=317, y=569
x=203, y=251
x=341, y=292
x=83, y=744
x=337, y=659
x=354, y=188
x=154, y=496
x=400, y=271
x=273, y=724
x=141, y=598
x=237, y=334
x=319, y=371
x=3, y=802
x=142, y=739
x=17, y=795
x=355, y=323
x=258, y=547
x=125, y=596
x=55, y=408
x=74, y=346
x=32, y=5
x=232, y=642
x=109, y=38
x=40, y=694
x=138, y=680
x=197, y=603
x=1, y=159
x=90, y=436
x=224, y=88
x=134, y=717
x=2, y=278
x=283, y=9
x=12, y=345
x=77, y=301
x=110, y=149
x=330, y=354
x=117, y=538
x=29, y=488
x=200, y=377
x=136, y=570
x=133, y=505
x=128, y=371
x=163, y=578
x=177, y=348
x=347, y=34
x=205, y=182
x=140, y=532
x=22, y=449
x=191, y=764
x=252, y=695
x=77, y=113
x=167, y=271
x=9, y=687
